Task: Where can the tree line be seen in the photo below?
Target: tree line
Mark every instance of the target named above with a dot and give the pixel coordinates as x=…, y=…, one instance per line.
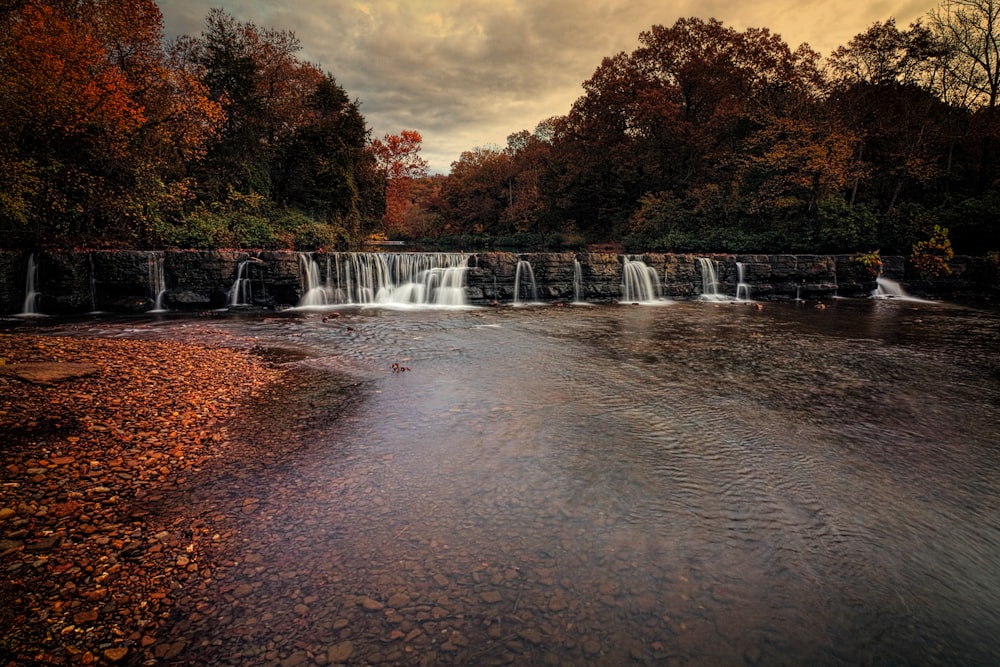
x=711, y=139
x=703, y=138
x=111, y=137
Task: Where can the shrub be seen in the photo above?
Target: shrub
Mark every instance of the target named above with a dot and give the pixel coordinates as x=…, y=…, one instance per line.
x=930, y=258
x=868, y=264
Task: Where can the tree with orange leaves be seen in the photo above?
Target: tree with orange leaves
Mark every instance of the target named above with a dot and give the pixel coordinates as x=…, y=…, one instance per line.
x=398, y=158
x=91, y=120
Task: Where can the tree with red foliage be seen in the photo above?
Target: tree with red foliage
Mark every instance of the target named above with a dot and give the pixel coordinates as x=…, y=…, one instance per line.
x=398, y=158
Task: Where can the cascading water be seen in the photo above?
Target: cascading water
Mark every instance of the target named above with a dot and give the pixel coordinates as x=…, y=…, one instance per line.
x=577, y=282
x=890, y=289
x=391, y=279
x=639, y=282
x=742, y=288
x=525, y=273
x=709, y=280
x=31, y=293
x=313, y=291
x=157, y=283
x=241, y=293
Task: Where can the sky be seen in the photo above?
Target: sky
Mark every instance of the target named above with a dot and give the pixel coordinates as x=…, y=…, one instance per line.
x=469, y=73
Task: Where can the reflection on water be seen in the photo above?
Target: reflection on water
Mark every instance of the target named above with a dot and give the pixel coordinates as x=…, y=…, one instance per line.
x=696, y=484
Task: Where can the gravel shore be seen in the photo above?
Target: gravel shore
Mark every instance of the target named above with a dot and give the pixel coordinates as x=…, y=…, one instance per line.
x=95, y=542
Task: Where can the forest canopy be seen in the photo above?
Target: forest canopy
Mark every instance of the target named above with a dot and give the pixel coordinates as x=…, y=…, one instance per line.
x=703, y=138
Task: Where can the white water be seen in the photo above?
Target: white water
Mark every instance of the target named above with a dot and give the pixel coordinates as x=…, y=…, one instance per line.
x=890, y=289
x=314, y=293
x=525, y=277
x=709, y=280
x=640, y=282
x=578, y=295
x=390, y=279
x=742, y=288
x=157, y=283
x=31, y=293
x=241, y=293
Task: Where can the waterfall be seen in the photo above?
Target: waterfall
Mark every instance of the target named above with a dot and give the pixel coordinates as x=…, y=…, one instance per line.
x=577, y=282
x=157, y=283
x=890, y=289
x=391, y=279
x=709, y=280
x=524, y=269
x=639, y=282
x=31, y=292
x=742, y=288
x=241, y=292
x=313, y=292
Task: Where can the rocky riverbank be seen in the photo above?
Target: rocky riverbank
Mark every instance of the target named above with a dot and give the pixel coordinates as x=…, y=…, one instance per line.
x=99, y=452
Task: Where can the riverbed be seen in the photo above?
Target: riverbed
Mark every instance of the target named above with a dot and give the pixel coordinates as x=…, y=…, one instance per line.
x=681, y=483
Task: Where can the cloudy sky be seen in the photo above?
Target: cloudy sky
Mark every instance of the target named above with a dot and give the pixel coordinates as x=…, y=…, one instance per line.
x=468, y=73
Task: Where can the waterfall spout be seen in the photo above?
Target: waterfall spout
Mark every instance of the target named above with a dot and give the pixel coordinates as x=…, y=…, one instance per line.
x=313, y=291
x=525, y=273
x=640, y=282
x=388, y=279
x=241, y=292
x=578, y=295
x=890, y=289
x=709, y=280
x=31, y=293
x=742, y=288
x=157, y=283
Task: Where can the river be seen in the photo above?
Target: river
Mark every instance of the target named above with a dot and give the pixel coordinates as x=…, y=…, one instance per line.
x=686, y=484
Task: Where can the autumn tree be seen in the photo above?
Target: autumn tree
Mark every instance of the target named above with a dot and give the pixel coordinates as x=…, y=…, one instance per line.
x=85, y=123
x=675, y=117
x=476, y=193
x=398, y=159
x=291, y=135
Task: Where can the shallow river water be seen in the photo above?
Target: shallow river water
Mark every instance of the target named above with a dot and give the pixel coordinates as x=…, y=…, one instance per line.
x=685, y=484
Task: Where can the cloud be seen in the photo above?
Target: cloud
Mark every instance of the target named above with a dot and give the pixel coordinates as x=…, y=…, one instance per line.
x=469, y=73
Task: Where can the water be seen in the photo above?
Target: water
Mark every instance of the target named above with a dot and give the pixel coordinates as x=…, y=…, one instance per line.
x=524, y=280
x=157, y=283
x=640, y=283
x=387, y=279
x=31, y=293
x=709, y=280
x=241, y=292
x=890, y=289
x=314, y=292
x=703, y=484
x=742, y=288
x=579, y=296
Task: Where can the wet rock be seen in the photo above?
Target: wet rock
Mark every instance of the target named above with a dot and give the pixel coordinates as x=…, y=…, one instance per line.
x=398, y=600
x=530, y=635
x=368, y=604
x=491, y=597
x=115, y=654
x=341, y=652
x=49, y=372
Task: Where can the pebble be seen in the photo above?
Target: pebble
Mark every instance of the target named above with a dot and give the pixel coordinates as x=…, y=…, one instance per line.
x=340, y=652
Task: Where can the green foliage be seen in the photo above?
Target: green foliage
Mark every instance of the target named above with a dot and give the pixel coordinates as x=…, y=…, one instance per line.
x=842, y=228
x=930, y=257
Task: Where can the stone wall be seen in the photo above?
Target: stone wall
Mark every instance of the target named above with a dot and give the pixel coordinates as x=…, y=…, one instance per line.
x=125, y=281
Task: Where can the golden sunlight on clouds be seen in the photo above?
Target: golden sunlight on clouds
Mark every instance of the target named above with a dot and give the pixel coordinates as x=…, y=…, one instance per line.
x=468, y=74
